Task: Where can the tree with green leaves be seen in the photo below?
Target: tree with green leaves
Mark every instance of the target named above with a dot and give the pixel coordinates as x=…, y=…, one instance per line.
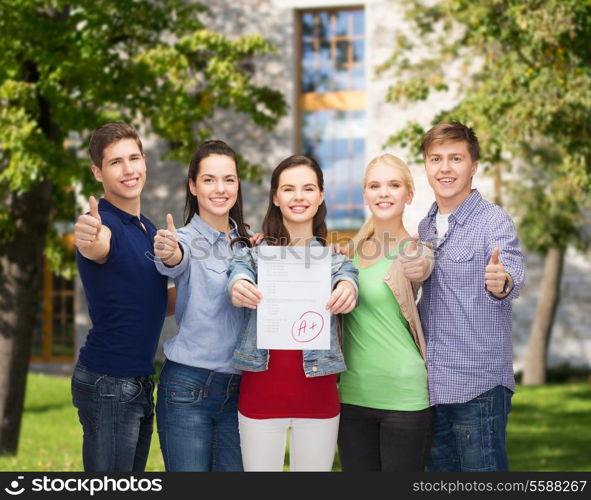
x=520, y=73
x=67, y=67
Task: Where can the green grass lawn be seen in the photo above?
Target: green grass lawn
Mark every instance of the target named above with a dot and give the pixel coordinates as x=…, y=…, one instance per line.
x=549, y=429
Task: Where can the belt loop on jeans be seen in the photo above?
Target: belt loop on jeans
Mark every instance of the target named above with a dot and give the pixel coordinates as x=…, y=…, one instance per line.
x=233, y=383
x=210, y=377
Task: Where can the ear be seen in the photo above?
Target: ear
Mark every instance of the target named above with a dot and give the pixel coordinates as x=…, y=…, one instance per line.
x=98, y=173
x=192, y=187
x=275, y=202
x=474, y=168
x=410, y=198
x=321, y=197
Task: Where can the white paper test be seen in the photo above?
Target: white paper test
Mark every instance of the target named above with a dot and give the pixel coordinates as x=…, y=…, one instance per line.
x=295, y=284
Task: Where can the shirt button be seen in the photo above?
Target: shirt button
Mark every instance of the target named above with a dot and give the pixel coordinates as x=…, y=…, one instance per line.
x=314, y=368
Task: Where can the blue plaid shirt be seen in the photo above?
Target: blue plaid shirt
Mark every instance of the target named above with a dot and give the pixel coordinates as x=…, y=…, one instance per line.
x=468, y=331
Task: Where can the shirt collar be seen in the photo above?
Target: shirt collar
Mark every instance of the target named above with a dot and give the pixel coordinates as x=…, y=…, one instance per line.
x=461, y=213
x=126, y=217
x=211, y=234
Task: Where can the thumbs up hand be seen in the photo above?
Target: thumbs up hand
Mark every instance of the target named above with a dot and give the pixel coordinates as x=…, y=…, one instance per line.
x=93, y=204
x=495, y=275
x=90, y=236
x=166, y=244
x=87, y=230
x=414, y=263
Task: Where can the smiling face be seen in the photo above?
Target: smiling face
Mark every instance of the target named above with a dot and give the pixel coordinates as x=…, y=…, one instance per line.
x=450, y=169
x=298, y=195
x=216, y=187
x=386, y=191
x=123, y=173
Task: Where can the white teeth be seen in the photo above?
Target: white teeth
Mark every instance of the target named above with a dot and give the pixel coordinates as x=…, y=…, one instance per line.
x=384, y=204
x=298, y=209
x=130, y=182
x=446, y=179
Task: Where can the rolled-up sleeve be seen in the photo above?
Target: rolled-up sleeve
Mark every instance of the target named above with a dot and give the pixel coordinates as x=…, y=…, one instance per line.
x=344, y=270
x=242, y=267
x=181, y=267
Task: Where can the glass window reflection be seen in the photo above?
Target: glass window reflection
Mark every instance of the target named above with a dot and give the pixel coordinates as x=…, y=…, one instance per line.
x=336, y=139
x=333, y=125
x=332, y=42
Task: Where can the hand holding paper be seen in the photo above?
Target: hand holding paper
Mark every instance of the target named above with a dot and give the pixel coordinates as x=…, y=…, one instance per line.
x=343, y=298
x=245, y=294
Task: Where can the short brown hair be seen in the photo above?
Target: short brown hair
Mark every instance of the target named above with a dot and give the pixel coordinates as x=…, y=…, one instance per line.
x=106, y=135
x=451, y=132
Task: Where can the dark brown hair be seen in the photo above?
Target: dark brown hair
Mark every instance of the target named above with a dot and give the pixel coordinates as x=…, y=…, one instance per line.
x=108, y=134
x=273, y=228
x=205, y=149
x=451, y=132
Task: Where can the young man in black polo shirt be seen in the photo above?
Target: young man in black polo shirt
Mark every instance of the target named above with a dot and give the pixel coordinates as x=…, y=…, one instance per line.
x=127, y=303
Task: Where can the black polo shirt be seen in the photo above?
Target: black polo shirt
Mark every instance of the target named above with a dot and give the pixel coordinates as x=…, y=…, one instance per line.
x=126, y=298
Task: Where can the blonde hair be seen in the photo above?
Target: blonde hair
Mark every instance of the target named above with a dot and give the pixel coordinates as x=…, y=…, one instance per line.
x=367, y=229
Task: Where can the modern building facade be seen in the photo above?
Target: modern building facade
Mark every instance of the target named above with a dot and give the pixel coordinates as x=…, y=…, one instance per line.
x=325, y=63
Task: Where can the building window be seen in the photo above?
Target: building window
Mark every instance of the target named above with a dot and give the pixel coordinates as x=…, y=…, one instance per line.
x=53, y=339
x=332, y=107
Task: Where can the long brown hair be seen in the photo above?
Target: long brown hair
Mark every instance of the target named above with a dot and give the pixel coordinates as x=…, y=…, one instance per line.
x=273, y=228
x=205, y=149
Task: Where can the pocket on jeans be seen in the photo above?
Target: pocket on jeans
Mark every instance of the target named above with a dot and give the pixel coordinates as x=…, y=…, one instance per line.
x=82, y=393
x=473, y=435
x=130, y=390
x=80, y=386
x=181, y=395
x=85, y=399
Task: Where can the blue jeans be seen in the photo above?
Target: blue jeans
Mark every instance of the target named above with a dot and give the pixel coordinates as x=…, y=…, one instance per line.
x=197, y=418
x=471, y=436
x=117, y=417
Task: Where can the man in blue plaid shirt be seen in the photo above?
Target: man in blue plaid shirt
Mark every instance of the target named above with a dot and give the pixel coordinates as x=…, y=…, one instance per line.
x=465, y=308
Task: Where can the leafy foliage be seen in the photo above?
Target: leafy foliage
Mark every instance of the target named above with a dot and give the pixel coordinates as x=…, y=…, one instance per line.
x=66, y=67
x=523, y=82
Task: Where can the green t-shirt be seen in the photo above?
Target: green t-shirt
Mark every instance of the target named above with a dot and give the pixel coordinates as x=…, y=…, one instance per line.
x=385, y=369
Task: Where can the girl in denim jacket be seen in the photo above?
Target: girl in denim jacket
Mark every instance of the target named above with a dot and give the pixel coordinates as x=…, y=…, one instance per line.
x=290, y=389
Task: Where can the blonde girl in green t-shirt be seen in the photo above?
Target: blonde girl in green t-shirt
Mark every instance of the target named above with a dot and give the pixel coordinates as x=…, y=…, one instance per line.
x=386, y=422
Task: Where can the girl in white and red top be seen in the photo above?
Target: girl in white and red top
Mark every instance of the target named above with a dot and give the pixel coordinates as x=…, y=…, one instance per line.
x=287, y=389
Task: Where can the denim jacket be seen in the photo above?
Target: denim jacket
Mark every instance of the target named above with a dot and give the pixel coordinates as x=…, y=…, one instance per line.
x=248, y=357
